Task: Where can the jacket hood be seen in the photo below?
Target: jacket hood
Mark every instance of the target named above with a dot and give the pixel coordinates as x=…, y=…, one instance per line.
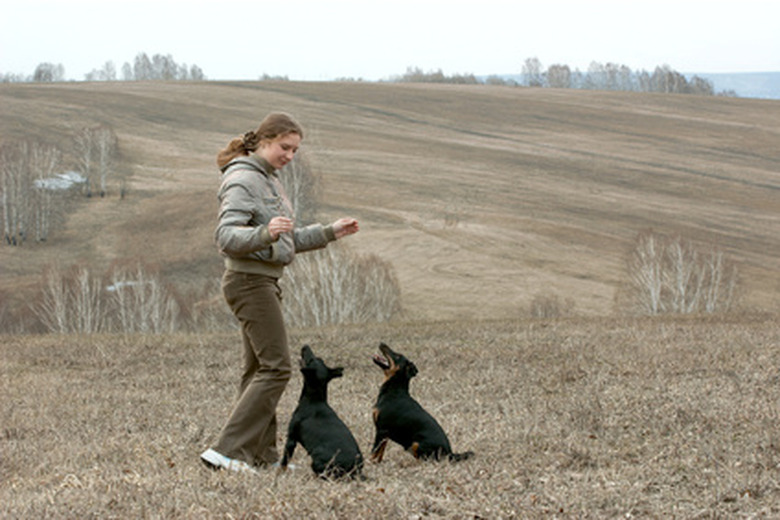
x=254, y=161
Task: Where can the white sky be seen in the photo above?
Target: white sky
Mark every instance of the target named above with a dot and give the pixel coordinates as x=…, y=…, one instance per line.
x=378, y=39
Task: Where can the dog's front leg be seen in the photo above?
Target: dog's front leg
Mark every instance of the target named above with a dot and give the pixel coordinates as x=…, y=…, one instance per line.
x=289, y=449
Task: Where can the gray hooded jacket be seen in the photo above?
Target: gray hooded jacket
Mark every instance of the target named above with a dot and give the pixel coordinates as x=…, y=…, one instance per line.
x=249, y=197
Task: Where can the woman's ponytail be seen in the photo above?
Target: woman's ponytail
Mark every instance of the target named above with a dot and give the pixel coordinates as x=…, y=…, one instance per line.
x=274, y=125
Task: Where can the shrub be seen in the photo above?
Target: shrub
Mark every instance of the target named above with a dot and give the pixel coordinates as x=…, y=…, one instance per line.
x=548, y=305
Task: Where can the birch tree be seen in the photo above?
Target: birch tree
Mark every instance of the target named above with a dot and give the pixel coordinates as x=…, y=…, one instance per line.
x=335, y=286
x=645, y=273
x=532, y=72
x=29, y=206
x=106, y=154
x=142, y=302
x=96, y=150
x=87, y=305
x=49, y=72
x=53, y=307
x=14, y=186
x=302, y=186
x=45, y=202
x=672, y=275
x=559, y=76
x=71, y=302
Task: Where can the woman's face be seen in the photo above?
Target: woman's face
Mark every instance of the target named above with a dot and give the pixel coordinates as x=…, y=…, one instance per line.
x=280, y=151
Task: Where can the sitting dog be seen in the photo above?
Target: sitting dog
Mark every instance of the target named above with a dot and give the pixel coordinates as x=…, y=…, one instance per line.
x=333, y=450
x=398, y=417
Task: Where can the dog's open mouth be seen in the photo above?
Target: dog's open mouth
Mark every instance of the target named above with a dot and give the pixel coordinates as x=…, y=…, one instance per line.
x=384, y=360
x=381, y=361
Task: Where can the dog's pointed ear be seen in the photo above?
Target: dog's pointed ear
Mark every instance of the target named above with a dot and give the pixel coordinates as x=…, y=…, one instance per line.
x=411, y=370
x=333, y=373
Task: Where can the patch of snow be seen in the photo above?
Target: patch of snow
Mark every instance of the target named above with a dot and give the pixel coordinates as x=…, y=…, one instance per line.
x=61, y=181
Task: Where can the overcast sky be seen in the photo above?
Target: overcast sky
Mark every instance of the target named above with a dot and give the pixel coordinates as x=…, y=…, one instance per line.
x=378, y=39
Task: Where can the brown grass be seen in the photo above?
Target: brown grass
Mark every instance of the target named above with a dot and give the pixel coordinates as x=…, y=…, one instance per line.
x=579, y=418
x=481, y=197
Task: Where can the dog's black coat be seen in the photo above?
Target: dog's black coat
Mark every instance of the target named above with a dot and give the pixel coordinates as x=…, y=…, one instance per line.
x=400, y=418
x=332, y=447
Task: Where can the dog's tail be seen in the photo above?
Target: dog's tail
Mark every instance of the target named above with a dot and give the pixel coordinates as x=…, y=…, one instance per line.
x=458, y=457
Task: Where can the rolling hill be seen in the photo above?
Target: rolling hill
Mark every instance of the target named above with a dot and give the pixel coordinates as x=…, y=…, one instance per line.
x=481, y=197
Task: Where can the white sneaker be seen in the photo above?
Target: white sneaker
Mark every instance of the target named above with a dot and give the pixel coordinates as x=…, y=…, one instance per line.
x=290, y=466
x=216, y=460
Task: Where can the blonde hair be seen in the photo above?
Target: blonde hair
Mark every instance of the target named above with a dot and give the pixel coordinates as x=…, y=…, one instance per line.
x=274, y=125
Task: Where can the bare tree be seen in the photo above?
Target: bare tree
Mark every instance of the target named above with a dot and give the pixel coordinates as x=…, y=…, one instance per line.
x=10, y=77
x=164, y=67
x=142, y=68
x=302, y=185
x=53, y=307
x=671, y=275
x=196, y=73
x=106, y=154
x=682, y=276
x=160, y=67
x=596, y=77
x=48, y=72
x=701, y=86
x=127, y=72
x=71, y=302
x=142, y=302
x=84, y=147
x=532, y=73
x=645, y=272
x=29, y=206
x=669, y=81
x=106, y=73
x=45, y=163
x=720, y=282
x=96, y=150
x=559, y=76
x=334, y=286
x=87, y=305
x=136, y=300
x=15, y=187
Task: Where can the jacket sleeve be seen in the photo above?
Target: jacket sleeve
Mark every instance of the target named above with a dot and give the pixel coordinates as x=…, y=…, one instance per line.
x=238, y=233
x=314, y=236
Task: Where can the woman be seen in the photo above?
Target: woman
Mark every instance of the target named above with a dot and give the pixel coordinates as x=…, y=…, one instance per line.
x=257, y=237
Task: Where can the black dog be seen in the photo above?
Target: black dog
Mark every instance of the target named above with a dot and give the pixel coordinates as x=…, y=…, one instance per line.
x=333, y=450
x=398, y=417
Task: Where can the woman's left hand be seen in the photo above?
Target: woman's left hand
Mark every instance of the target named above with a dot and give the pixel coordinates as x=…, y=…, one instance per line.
x=345, y=226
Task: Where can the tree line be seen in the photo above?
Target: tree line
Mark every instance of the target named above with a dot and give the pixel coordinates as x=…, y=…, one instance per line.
x=599, y=76
x=159, y=67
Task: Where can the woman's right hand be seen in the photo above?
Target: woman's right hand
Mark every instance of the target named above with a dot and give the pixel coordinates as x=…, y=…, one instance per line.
x=279, y=225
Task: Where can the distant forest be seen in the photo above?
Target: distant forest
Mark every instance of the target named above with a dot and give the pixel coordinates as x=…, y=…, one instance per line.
x=159, y=67
x=609, y=76
x=599, y=76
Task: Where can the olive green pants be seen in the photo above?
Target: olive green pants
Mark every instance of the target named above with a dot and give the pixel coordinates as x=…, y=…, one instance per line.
x=250, y=432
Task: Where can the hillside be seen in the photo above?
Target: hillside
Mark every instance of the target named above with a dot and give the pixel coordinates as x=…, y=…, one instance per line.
x=481, y=197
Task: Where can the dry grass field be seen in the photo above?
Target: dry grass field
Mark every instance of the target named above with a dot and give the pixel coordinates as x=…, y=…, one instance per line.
x=481, y=197
x=575, y=418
